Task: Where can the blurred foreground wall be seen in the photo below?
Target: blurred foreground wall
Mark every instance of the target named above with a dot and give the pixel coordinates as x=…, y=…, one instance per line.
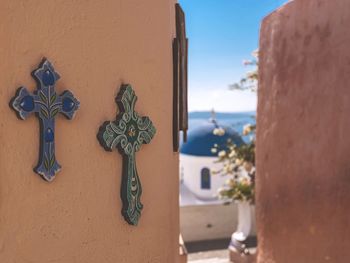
x=303, y=140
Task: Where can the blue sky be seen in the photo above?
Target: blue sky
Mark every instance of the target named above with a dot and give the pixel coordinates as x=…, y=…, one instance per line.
x=222, y=33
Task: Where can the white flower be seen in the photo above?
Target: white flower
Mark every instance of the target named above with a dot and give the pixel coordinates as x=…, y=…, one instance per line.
x=248, y=166
x=247, y=129
x=214, y=150
x=251, y=74
x=228, y=168
x=247, y=62
x=238, y=161
x=219, y=131
x=222, y=153
x=232, y=154
x=231, y=167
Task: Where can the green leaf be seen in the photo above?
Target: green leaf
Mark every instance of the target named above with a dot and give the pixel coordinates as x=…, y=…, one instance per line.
x=46, y=163
x=43, y=97
x=53, y=98
x=44, y=113
x=54, y=112
x=52, y=161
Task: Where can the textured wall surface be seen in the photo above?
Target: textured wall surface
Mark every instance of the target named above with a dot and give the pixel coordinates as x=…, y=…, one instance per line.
x=95, y=46
x=303, y=143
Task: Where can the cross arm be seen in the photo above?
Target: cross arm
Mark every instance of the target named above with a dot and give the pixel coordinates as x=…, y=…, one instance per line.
x=146, y=130
x=69, y=104
x=23, y=103
x=111, y=134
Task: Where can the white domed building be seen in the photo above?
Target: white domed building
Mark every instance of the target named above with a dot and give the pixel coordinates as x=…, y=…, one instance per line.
x=203, y=216
x=197, y=161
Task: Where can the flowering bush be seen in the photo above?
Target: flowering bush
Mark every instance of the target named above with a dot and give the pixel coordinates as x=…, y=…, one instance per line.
x=239, y=164
x=250, y=81
x=239, y=161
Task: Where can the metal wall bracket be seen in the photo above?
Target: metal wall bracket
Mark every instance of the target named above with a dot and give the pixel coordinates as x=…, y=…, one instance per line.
x=180, y=90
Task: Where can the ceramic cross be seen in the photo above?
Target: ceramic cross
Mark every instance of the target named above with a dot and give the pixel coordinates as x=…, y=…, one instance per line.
x=46, y=104
x=128, y=133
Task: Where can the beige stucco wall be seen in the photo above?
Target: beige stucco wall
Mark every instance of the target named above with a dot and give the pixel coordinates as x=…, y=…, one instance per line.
x=95, y=46
x=303, y=143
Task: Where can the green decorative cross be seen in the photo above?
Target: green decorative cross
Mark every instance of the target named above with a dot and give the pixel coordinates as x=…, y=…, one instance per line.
x=128, y=133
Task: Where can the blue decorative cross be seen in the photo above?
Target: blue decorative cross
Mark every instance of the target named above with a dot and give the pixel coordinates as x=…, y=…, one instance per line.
x=46, y=104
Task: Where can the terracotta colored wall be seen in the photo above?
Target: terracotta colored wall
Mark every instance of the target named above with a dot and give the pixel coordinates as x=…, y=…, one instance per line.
x=303, y=143
x=95, y=46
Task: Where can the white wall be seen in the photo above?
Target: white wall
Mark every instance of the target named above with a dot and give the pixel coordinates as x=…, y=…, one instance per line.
x=190, y=172
x=208, y=222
